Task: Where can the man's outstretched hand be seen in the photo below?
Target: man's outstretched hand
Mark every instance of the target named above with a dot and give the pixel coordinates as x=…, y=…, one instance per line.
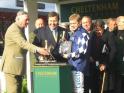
x=43, y=51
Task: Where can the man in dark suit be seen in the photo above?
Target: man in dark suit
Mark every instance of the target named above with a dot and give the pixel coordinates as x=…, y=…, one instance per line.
x=102, y=52
x=16, y=46
x=53, y=34
x=119, y=63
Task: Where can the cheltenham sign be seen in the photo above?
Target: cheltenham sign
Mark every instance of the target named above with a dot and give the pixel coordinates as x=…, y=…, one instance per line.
x=99, y=9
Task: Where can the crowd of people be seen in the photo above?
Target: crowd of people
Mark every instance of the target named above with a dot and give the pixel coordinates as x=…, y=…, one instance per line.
x=96, y=56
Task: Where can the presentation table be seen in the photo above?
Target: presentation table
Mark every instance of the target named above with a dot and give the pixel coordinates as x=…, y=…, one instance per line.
x=52, y=78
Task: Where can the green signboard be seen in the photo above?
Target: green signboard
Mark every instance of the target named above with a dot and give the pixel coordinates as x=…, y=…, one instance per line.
x=98, y=9
x=52, y=79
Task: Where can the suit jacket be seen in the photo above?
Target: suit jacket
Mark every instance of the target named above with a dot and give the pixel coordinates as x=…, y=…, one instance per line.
x=96, y=49
x=46, y=34
x=119, y=63
x=13, y=59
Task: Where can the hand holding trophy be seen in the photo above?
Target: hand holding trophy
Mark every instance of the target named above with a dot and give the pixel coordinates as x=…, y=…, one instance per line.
x=43, y=58
x=48, y=58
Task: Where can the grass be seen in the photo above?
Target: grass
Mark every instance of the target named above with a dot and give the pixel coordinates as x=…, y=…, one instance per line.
x=24, y=86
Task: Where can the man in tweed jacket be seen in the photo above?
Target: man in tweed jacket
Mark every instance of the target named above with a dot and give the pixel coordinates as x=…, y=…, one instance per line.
x=16, y=46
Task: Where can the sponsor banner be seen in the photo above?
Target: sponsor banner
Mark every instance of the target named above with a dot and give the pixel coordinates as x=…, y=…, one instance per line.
x=97, y=9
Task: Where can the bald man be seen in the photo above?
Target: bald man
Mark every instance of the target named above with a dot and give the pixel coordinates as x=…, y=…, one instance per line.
x=39, y=23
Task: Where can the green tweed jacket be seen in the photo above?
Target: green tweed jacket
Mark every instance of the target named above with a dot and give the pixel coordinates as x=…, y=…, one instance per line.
x=16, y=46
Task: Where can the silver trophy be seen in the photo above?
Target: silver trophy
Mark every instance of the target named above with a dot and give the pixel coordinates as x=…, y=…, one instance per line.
x=65, y=46
x=49, y=58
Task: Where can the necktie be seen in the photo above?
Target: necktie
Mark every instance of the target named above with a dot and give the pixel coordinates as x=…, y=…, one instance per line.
x=55, y=35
